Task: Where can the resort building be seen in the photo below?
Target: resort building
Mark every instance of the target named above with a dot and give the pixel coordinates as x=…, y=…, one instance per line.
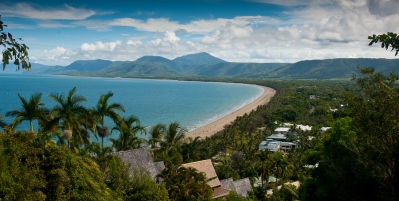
x=242, y=186
x=282, y=130
x=272, y=146
x=206, y=167
x=141, y=158
x=288, y=146
x=277, y=137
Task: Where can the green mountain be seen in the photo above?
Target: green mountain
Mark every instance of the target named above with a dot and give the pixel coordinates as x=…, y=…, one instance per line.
x=137, y=69
x=228, y=69
x=205, y=65
x=202, y=58
x=89, y=65
x=330, y=68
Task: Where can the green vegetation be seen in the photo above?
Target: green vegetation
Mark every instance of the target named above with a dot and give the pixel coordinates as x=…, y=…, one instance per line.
x=13, y=49
x=346, y=154
x=357, y=159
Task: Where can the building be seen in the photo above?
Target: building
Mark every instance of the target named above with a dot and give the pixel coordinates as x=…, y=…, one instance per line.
x=303, y=127
x=288, y=146
x=277, y=137
x=141, y=158
x=282, y=130
x=206, y=167
x=272, y=146
x=242, y=186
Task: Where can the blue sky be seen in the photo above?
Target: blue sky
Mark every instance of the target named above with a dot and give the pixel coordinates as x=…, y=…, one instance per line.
x=60, y=32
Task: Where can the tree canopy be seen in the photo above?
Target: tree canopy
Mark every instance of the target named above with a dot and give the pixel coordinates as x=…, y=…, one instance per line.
x=13, y=49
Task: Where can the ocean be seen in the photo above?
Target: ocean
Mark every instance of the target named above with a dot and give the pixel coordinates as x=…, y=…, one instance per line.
x=192, y=104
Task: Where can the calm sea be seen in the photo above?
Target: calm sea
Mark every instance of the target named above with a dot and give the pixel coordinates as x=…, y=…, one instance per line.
x=192, y=104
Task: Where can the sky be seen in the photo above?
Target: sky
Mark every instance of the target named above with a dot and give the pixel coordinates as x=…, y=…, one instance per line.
x=261, y=31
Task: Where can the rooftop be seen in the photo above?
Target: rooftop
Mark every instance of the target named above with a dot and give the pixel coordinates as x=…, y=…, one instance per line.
x=140, y=158
x=206, y=167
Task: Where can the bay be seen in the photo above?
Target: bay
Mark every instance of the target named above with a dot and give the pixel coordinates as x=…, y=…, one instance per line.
x=192, y=104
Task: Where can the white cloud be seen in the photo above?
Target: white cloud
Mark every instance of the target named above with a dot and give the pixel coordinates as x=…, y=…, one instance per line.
x=327, y=29
x=294, y=2
x=26, y=10
x=100, y=46
x=164, y=24
x=171, y=36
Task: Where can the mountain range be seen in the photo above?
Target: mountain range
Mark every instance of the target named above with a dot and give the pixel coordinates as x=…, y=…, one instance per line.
x=206, y=65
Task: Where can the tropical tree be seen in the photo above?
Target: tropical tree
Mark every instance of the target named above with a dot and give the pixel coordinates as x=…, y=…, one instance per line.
x=103, y=109
x=157, y=133
x=265, y=165
x=13, y=50
x=30, y=110
x=186, y=184
x=174, y=135
x=145, y=188
x=281, y=167
x=68, y=111
x=128, y=127
x=193, y=149
x=388, y=40
x=2, y=123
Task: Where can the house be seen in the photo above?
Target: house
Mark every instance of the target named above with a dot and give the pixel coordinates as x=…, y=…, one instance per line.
x=242, y=186
x=272, y=146
x=312, y=97
x=303, y=127
x=140, y=158
x=206, y=167
x=288, y=146
x=324, y=129
x=277, y=137
x=282, y=130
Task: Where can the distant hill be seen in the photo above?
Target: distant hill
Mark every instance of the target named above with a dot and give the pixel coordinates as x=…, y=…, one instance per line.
x=227, y=69
x=89, y=65
x=12, y=69
x=202, y=58
x=138, y=69
x=331, y=68
x=206, y=65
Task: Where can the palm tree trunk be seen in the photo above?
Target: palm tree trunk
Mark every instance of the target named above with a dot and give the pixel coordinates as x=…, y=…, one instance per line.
x=31, y=125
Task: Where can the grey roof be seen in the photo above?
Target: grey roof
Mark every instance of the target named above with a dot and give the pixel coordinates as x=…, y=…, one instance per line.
x=159, y=166
x=228, y=184
x=242, y=186
x=139, y=158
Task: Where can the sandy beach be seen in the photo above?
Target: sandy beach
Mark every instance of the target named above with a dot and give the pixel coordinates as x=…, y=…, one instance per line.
x=214, y=127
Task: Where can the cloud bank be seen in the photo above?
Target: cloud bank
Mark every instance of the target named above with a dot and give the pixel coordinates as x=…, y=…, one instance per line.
x=310, y=29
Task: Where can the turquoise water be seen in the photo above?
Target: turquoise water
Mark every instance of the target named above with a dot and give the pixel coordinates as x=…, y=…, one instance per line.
x=192, y=104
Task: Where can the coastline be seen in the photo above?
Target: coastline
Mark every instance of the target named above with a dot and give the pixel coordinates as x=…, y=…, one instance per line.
x=213, y=127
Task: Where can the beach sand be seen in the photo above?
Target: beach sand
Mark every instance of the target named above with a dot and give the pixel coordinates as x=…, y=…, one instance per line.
x=214, y=127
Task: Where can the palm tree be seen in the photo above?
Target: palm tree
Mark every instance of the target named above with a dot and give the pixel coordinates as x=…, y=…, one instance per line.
x=128, y=127
x=193, y=149
x=104, y=109
x=30, y=110
x=68, y=110
x=157, y=132
x=2, y=123
x=281, y=166
x=185, y=184
x=174, y=135
x=265, y=165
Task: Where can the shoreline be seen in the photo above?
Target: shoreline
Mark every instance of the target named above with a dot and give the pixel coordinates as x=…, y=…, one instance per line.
x=218, y=125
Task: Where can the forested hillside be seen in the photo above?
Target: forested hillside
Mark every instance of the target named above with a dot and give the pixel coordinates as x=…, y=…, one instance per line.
x=205, y=65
